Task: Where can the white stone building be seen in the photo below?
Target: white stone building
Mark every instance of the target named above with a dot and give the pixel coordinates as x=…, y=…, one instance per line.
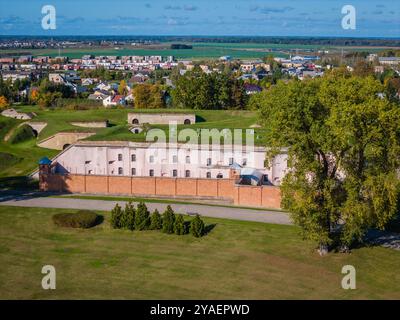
x=162, y=160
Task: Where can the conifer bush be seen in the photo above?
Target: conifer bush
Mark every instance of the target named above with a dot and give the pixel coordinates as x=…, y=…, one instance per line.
x=180, y=226
x=168, y=220
x=116, y=215
x=197, y=227
x=129, y=214
x=142, y=217
x=155, y=221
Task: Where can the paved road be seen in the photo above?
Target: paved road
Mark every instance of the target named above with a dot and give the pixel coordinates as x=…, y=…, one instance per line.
x=38, y=200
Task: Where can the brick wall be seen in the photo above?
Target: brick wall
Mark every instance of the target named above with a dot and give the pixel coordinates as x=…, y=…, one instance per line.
x=254, y=196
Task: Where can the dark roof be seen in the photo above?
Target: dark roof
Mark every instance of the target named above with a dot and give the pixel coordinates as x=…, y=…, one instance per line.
x=45, y=161
x=252, y=87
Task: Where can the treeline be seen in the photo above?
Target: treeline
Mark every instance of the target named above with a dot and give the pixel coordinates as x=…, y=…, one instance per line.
x=341, y=41
x=169, y=222
x=214, y=91
x=178, y=46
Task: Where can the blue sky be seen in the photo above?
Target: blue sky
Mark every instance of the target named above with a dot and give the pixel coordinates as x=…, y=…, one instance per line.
x=375, y=18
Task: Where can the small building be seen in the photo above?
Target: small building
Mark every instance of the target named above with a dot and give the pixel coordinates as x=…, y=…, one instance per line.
x=161, y=118
x=12, y=113
x=116, y=100
x=252, y=88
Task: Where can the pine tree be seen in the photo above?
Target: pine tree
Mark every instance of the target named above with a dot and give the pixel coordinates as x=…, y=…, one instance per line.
x=197, y=227
x=168, y=220
x=116, y=215
x=142, y=217
x=180, y=226
x=155, y=221
x=130, y=214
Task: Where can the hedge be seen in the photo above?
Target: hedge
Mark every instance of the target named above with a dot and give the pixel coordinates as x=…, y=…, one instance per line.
x=82, y=219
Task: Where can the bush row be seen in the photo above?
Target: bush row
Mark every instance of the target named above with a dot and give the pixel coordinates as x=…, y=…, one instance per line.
x=139, y=218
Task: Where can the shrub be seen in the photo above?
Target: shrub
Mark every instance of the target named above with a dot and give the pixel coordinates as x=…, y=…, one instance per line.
x=129, y=215
x=180, y=226
x=127, y=220
x=168, y=220
x=197, y=227
x=155, y=221
x=142, y=217
x=82, y=219
x=116, y=215
x=22, y=134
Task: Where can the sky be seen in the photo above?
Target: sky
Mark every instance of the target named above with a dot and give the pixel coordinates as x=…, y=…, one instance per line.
x=374, y=18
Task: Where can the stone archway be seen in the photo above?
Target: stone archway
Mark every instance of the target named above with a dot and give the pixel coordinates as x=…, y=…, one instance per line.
x=135, y=121
x=65, y=146
x=187, y=122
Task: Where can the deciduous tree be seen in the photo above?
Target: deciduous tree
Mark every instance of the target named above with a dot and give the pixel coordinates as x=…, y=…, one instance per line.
x=343, y=139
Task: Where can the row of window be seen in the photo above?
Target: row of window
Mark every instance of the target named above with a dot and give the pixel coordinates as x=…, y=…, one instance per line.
x=175, y=160
x=174, y=173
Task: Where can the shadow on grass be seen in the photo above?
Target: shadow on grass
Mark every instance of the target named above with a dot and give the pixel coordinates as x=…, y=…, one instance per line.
x=99, y=220
x=19, y=183
x=208, y=228
x=200, y=119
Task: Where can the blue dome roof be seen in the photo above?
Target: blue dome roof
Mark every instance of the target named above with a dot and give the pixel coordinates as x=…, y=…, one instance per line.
x=45, y=160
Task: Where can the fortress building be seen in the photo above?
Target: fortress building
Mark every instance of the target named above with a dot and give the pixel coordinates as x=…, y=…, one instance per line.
x=230, y=173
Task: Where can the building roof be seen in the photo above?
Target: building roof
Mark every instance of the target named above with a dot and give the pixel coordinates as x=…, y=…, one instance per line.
x=44, y=161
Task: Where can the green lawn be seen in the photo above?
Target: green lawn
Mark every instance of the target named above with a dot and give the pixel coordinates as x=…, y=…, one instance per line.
x=19, y=159
x=236, y=260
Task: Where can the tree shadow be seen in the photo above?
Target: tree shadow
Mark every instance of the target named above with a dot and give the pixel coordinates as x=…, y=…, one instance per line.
x=200, y=119
x=99, y=220
x=208, y=228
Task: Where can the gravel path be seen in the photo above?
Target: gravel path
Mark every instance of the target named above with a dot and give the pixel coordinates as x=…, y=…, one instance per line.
x=37, y=200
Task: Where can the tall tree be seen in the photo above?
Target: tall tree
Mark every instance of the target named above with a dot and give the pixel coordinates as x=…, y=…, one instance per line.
x=343, y=142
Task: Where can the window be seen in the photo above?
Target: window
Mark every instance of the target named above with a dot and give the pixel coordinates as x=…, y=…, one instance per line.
x=244, y=162
x=187, y=122
x=208, y=175
x=187, y=173
x=187, y=159
x=231, y=160
x=120, y=157
x=174, y=173
x=175, y=159
x=151, y=159
x=134, y=171
x=209, y=162
x=151, y=173
x=133, y=157
x=120, y=171
x=220, y=176
x=135, y=121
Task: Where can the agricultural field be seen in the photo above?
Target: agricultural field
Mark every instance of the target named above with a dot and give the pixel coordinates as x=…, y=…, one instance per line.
x=199, y=51
x=235, y=260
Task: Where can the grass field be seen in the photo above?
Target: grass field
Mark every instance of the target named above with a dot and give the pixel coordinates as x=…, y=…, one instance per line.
x=197, y=53
x=200, y=51
x=19, y=159
x=235, y=260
